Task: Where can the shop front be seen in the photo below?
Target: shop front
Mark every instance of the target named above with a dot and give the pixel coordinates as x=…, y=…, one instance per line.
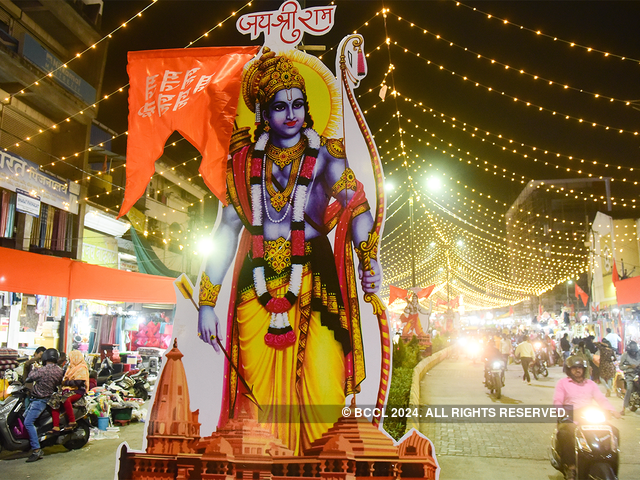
x=64, y=303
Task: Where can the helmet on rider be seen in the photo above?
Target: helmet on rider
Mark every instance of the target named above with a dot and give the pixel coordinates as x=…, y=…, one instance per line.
x=50, y=355
x=576, y=361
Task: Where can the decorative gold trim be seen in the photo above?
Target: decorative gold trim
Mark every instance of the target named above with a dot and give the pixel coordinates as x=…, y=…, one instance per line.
x=284, y=156
x=347, y=181
x=368, y=250
x=277, y=253
x=335, y=146
x=239, y=139
x=277, y=198
x=208, y=295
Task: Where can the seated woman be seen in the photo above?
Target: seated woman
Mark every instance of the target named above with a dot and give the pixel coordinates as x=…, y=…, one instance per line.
x=75, y=384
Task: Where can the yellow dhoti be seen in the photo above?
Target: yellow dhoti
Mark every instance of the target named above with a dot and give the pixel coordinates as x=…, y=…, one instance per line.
x=300, y=400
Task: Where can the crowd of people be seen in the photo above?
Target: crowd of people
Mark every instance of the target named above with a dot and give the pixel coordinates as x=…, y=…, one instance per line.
x=603, y=357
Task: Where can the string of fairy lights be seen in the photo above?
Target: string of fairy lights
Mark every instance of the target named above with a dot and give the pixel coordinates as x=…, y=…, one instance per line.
x=391, y=275
x=401, y=158
x=437, y=268
x=519, y=101
x=539, y=33
x=482, y=135
x=497, y=63
x=493, y=244
x=496, y=170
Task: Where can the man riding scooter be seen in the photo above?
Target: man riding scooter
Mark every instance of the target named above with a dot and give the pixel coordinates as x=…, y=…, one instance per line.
x=46, y=378
x=576, y=391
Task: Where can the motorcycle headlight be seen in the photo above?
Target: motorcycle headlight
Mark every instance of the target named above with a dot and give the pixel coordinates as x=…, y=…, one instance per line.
x=537, y=345
x=593, y=415
x=497, y=365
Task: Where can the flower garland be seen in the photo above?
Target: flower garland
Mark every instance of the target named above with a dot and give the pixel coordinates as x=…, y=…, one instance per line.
x=280, y=333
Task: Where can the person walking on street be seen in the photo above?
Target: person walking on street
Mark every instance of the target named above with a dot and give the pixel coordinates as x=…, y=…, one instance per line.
x=614, y=339
x=629, y=362
x=526, y=353
x=593, y=348
x=47, y=379
x=606, y=364
x=505, y=349
x=565, y=346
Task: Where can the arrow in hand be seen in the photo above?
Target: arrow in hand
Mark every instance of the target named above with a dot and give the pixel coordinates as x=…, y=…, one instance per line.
x=185, y=287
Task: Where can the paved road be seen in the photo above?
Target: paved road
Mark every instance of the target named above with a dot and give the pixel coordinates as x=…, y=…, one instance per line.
x=95, y=461
x=504, y=451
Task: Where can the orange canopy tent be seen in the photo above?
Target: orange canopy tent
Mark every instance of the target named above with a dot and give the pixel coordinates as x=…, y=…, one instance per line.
x=32, y=273
x=35, y=274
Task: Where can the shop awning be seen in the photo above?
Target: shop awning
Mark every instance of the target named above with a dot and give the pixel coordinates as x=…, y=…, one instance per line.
x=31, y=273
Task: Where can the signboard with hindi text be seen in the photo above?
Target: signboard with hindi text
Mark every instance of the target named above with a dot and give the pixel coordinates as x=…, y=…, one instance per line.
x=18, y=173
x=27, y=203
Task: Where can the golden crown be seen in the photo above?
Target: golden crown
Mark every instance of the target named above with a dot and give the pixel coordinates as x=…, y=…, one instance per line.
x=266, y=76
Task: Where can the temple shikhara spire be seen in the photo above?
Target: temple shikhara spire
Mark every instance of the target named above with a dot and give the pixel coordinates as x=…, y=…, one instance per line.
x=173, y=427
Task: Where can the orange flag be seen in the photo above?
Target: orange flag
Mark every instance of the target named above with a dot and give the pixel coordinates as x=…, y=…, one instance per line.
x=191, y=91
x=582, y=294
x=614, y=274
x=395, y=293
x=425, y=292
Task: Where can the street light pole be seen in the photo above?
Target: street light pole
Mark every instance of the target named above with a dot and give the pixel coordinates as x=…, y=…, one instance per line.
x=412, y=246
x=448, y=293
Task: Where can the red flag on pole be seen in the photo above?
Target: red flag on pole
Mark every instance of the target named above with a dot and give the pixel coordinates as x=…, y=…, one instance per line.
x=614, y=273
x=396, y=293
x=582, y=294
x=194, y=92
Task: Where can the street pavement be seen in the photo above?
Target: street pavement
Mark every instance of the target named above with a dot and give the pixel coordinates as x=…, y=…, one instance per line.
x=501, y=451
x=95, y=461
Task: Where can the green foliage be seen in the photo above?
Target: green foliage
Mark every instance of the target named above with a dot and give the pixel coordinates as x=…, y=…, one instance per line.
x=405, y=358
x=438, y=343
x=399, y=354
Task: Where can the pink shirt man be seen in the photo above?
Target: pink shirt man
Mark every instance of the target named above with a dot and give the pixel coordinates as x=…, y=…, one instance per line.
x=579, y=395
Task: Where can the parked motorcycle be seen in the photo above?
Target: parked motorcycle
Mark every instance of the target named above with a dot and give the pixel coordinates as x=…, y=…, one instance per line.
x=14, y=435
x=130, y=385
x=136, y=384
x=494, y=377
x=596, y=446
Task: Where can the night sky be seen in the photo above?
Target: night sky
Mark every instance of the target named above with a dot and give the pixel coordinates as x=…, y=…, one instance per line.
x=465, y=34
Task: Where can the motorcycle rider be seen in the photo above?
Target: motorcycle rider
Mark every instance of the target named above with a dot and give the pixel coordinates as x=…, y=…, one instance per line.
x=629, y=362
x=46, y=378
x=577, y=391
x=490, y=355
